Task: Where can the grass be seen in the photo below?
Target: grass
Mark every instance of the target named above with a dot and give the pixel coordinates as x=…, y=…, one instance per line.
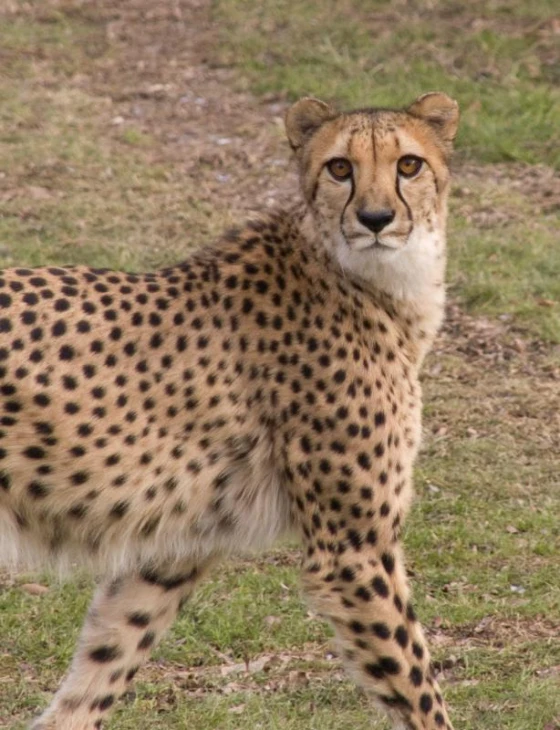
x=88, y=174
x=504, y=259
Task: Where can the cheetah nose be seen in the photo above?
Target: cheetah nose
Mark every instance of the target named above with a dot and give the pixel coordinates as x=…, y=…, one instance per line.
x=375, y=220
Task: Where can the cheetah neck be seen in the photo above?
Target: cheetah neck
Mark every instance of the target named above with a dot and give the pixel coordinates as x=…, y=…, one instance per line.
x=408, y=283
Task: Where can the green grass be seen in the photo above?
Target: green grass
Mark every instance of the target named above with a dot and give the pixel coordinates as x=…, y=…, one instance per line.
x=84, y=180
x=504, y=257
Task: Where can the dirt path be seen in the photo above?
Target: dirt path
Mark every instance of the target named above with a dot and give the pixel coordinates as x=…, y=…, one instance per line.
x=163, y=78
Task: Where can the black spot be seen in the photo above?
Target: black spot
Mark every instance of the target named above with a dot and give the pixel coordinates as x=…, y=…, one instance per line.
x=347, y=575
x=389, y=665
x=79, y=477
x=139, y=619
x=58, y=329
x=401, y=636
x=171, y=484
x=119, y=509
x=150, y=526
x=364, y=461
x=363, y=593
x=61, y=305
x=381, y=630
x=380, y=586
x=388, y=561
x=357, y=627
x=131, y=674
x=66, y=352
x=379, y=418
x=37, y=490
x=416, y=676
x=106, y=653
x=396, y=700
x=115, y=676
x=147, y=640
x=105, y=702
x=375, y=671
x=38, y=281
x=78, y=511
x=34, y=452
x=366, y=493
x=426, y=703
x=355, y=539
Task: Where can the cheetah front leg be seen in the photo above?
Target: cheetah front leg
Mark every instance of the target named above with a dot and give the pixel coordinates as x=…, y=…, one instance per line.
x=360, y=586
x=127, y=617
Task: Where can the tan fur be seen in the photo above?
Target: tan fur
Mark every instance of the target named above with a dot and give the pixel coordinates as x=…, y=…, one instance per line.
x=155, y=423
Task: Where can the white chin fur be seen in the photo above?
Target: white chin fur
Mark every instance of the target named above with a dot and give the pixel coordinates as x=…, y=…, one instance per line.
x=406, y=273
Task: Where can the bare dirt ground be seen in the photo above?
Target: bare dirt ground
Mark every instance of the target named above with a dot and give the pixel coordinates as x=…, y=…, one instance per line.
x=163, y=77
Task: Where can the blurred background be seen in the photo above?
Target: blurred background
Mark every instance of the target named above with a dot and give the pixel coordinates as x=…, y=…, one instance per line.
x=134, y=131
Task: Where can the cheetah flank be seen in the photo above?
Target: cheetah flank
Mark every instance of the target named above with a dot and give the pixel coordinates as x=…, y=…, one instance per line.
x=153, y=423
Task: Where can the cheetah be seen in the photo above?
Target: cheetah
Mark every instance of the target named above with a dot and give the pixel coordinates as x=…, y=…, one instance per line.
x=153, y=424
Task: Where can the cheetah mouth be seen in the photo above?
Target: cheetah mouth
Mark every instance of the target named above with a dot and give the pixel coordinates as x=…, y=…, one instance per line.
x=359, y=242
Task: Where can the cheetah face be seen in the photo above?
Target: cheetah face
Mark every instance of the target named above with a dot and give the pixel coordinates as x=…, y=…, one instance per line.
x=376, y=180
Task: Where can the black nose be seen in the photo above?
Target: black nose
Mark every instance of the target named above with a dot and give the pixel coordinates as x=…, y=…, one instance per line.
x=375, y=220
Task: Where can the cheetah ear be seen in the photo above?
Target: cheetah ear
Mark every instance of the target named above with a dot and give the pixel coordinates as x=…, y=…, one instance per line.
x=440, y=111
x=304, y=118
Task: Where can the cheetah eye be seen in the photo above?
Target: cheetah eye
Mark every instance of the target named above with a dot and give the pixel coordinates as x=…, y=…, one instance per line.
x=409, y=165
x=340, y=168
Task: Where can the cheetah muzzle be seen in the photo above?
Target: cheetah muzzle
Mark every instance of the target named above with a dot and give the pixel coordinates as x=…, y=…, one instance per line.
x=154, y=423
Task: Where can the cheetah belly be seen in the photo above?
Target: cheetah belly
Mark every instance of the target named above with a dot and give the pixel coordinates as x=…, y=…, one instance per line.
x=236, y=503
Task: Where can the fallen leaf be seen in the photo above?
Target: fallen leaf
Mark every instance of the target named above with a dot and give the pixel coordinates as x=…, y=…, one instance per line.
x=298, y=678
x=250, y=667
x=483, y=624
x=38, y=193
x=548, y=672
x=34, y=589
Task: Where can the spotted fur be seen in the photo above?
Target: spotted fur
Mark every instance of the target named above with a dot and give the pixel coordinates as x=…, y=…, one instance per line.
x=152, y=424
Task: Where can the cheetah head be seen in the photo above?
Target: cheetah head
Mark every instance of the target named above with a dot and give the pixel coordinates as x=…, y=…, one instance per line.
x=376, y=184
